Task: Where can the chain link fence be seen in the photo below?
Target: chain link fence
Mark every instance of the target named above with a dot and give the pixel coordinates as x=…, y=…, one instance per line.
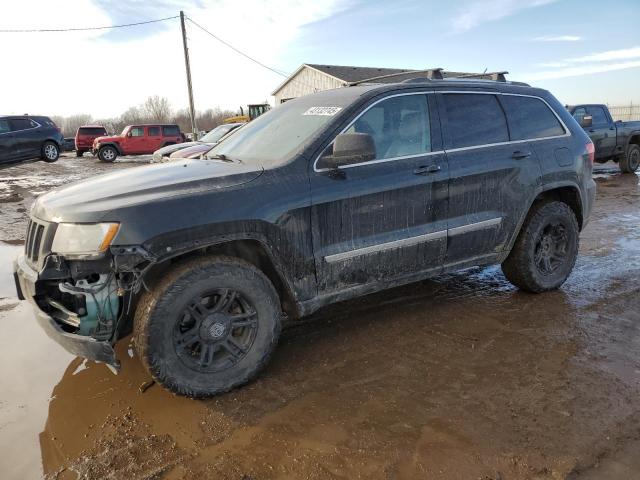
x=626, y=113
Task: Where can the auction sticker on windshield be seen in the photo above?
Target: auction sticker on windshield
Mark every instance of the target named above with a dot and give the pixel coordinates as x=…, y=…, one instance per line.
x=328, y=111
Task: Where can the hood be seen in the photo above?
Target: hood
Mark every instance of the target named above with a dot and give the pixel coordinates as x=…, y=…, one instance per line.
x=107, y=138
x=193, y=151
x=169, y=149
x=90, y=200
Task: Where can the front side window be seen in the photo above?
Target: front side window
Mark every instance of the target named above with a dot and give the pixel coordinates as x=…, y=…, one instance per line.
x=474, y=119
x=599, y=117
x=4, y=126
x=530, y=118
x=154, y=131
x=399, y=126
x=579, y=114
x=137, y=131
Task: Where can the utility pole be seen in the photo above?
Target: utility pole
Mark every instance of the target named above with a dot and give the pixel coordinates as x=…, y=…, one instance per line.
x=187, y=66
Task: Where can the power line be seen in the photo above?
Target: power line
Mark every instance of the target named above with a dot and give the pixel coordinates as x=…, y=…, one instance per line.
x=237, y=50
x=43, y=30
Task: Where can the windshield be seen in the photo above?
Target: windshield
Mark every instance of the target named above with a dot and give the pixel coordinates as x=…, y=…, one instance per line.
x=217, y=133
x=274, y=137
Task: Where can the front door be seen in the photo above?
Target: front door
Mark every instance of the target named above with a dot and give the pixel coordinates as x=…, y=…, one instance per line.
x=386, y=218
x=602, y=132
x=137, y=141
x=491, y=177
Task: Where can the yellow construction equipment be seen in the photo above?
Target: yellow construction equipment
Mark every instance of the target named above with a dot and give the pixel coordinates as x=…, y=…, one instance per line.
x=255, y=110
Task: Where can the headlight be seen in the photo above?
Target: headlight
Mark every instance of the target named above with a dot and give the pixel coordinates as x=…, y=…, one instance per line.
x=82, y=239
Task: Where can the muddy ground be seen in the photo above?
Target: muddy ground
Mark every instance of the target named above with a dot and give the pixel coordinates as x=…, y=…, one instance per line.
x=460, y=377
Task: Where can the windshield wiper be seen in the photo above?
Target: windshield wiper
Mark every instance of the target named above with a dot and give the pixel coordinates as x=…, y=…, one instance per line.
x=223, y=157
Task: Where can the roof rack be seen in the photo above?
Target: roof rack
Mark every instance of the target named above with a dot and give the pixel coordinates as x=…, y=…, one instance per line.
x=432, y=73
x=495, y=76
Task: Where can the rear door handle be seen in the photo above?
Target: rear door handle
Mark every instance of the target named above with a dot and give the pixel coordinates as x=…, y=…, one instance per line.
x=518, y=154
x=426, y=169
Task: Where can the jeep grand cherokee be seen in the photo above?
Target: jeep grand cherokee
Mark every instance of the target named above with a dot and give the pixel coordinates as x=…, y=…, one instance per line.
x=324, y=198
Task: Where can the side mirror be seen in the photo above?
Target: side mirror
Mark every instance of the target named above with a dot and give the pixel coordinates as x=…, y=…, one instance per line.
x=586, y=121
x=349, y=149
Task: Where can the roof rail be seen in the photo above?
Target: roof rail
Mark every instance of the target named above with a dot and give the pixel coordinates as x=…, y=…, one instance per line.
x=432, y=74
x=495, y=76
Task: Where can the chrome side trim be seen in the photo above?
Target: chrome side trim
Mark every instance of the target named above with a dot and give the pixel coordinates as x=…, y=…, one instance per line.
x=472, y=227
x=405, y=242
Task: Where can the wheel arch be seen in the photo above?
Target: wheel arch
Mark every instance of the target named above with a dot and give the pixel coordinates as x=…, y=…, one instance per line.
x=114, y=145
x=251, y=250
x=634, y=139
x=566, y=192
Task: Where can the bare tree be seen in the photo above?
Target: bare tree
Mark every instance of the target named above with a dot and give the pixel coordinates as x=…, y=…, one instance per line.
x=157, y=109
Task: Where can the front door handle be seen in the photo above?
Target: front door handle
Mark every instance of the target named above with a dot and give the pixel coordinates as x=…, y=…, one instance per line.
x=426, y=169
x=519, y=154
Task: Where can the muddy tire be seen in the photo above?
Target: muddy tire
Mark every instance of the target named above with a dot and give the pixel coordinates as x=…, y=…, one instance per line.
x=546, y=248
x=107, y=154
x=208, y=326
x=631, y=161
x=50, y=151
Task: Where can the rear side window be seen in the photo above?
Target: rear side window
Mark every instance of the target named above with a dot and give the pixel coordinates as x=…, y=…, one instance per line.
x=91, y=131
x=21, y=124
x=171, y=131
x=531, y=118
x=579, y=114
x=137, y=132
x=600, y=118
x=4, y=126
x=474, y=119
x=154, y=131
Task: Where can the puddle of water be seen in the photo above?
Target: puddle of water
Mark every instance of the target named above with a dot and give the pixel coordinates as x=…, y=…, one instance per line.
x=31, y=366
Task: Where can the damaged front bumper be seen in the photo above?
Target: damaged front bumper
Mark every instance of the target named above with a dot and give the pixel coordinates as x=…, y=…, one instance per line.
x=80, y=345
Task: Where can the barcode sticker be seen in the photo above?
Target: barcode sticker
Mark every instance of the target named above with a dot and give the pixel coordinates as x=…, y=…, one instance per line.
x=326, y=111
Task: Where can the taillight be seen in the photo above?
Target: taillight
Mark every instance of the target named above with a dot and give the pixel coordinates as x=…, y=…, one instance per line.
x=590, y=150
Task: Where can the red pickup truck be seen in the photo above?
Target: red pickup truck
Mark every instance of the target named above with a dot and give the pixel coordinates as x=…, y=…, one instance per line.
x=137, y=140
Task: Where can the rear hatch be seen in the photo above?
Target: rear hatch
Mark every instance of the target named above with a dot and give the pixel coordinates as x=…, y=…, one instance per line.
x=86, y=135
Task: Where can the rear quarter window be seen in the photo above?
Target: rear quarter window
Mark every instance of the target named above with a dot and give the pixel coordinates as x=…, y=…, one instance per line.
x=474, y=119
x=171, y=131
x=531, y=118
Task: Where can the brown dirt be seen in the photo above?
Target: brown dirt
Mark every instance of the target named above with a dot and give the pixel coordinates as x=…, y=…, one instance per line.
x=460, y=377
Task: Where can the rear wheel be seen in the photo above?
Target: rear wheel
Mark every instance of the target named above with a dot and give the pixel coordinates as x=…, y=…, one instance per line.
x=546, y=248
x=631, y=161
x=79, y=153
x=107, y=153
x=50, y=151
x=210, y=325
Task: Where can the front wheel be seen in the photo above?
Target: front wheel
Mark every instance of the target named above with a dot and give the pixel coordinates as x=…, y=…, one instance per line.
x=50, y=151
x=546, y=248
x=107, y=154
x=631, y=161
x=209, y=325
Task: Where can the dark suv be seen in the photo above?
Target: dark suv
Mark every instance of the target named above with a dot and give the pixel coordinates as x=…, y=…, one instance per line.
x=324, y=198
x=24, y=137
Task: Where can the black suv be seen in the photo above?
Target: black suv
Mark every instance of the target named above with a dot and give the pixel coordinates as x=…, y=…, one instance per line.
x=24, y=136
x=324, y=198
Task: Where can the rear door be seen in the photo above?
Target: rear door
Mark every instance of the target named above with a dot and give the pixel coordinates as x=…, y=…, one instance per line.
x=7, y=143
x=602, y=132
x=490, y=176
x=386, y=218
x=154, y=138
x=27, y=139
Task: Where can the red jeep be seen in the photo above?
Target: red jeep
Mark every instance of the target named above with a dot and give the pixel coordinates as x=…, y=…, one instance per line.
x=136, y=140
x=85, y=137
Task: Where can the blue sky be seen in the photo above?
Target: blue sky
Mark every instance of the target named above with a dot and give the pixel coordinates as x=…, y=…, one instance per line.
x=581, y=50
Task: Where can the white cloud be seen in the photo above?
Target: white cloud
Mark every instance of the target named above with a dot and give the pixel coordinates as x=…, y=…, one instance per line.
x=86, y=72
x=607, y=61
x=580, y=70
x=557, y=38
x=478, y=12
